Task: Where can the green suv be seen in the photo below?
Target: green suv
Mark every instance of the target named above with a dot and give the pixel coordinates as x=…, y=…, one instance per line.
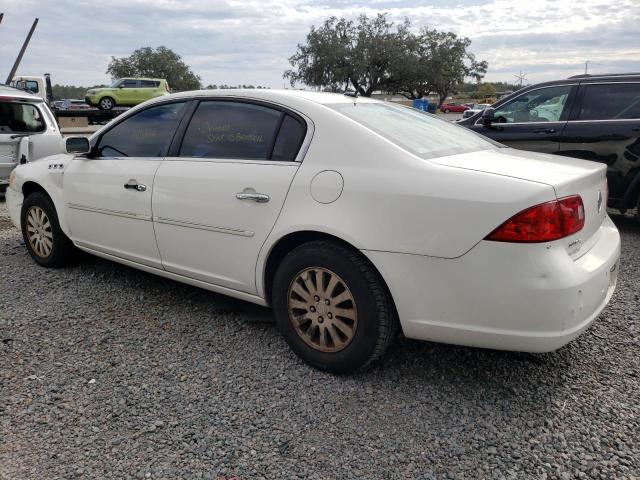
x=126, y=92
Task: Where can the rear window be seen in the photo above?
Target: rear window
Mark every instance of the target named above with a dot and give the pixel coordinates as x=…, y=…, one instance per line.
x=20, y=118
x=613, y=101
x=418, y=132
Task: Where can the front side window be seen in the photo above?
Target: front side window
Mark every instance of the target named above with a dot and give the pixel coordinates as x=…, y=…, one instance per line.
x=614, y=101
x=541, y=105
x=418, y=132
x=20, y=118
x=145, y=134
x=129, y=83
x=221, y=129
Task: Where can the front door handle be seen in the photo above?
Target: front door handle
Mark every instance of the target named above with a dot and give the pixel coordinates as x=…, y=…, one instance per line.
x=256, y=197
x=134, y=185
x=545, y=130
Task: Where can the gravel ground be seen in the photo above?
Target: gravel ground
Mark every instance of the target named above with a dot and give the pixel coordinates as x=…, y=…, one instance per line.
x=107, y=372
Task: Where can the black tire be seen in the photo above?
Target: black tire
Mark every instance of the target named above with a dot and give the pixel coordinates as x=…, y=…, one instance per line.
x=106, y=103
x=376, y=322
x=62, y=251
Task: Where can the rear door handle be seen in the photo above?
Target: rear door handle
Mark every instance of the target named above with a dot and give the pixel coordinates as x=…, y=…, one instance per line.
x=134, y=185
x=544, y=130
x=256, y=197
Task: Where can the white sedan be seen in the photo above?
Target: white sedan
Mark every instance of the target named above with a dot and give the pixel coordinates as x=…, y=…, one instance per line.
x=350, y=217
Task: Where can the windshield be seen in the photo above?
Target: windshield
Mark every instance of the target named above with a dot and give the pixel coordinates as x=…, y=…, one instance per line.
x=418, y=132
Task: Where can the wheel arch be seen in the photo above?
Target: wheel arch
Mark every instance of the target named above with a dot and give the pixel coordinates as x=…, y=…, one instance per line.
x=291, y=240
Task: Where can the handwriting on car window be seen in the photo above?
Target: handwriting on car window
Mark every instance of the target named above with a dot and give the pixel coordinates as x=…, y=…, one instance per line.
x=224, y=133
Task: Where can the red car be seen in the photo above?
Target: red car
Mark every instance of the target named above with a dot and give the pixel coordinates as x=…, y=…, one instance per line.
x=453, y=107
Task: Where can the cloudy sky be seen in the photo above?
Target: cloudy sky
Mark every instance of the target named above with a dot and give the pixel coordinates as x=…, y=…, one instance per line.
x=248, y=42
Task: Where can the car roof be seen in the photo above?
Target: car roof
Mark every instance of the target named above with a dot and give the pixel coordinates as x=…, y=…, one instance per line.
x=9, y=91
x=142, y=78
x=274, y=95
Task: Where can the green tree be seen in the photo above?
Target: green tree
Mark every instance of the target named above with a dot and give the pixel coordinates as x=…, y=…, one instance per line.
x=160, y=62
x=437, y=62
x=485, y=90
x=343, y=53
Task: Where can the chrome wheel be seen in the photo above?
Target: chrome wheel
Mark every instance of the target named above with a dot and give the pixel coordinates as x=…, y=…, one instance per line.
x=322, y=309
x=39, y=232
x=106, y=104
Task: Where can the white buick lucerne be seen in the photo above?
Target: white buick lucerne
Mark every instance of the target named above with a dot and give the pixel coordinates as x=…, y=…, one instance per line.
x=350, y=217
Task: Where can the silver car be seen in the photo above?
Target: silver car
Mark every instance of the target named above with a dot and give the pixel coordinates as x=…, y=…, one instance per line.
x=28, y=131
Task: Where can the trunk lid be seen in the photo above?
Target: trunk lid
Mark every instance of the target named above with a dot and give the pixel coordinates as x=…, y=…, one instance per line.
x=567, y=176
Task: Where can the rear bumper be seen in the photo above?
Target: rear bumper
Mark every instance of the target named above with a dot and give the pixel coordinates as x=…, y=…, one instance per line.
x=531, y=298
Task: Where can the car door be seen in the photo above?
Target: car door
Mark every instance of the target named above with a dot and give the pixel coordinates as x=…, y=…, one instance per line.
x=129, y=92
x=217, y=198
x=147, y=90
x=605, y=127
x=532, y=121
x=108, y=193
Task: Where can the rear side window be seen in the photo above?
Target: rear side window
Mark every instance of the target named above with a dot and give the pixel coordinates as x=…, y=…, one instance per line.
x=289, y=139
x=149, y=84
x=20, y=118
x=145, y=134
x=221, y=129
x=613, y=101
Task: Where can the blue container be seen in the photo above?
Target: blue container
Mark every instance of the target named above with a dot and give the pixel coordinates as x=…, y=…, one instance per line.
x=431, y=107
x=420, y=104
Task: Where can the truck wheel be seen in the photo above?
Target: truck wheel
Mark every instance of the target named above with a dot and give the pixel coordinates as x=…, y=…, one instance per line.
x=46, y=242
x=106, y=103
x=332, y=307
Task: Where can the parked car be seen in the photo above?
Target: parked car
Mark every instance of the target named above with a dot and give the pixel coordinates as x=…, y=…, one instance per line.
x=475, y=108
x=453, y=107
x=28, y=131
x=589, y=117
x=70, y=104
x=127, y=92
x=350, y=217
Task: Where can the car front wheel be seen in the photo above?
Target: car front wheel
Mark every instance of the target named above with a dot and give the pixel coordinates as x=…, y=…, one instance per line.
x=46, y=242
x=332, y=307
x=106, y=103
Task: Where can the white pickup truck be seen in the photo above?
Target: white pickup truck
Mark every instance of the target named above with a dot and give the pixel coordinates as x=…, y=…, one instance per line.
x=28, y=131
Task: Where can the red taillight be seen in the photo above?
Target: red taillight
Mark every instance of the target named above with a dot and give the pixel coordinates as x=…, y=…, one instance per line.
x=543, y=223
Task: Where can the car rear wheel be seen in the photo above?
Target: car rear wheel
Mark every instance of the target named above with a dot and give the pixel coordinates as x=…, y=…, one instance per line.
x=332, y=307
x=106, y=103
x=46, y=242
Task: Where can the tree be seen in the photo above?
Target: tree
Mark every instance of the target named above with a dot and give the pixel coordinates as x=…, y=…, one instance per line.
x=155, y=63
x=436, y=62
x=371, y=54
x=343, y=53
x=485, y=90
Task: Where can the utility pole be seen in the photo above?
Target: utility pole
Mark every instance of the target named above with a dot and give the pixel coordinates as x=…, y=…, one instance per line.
x=24, y=47
x=586, y=66
x=1, y=16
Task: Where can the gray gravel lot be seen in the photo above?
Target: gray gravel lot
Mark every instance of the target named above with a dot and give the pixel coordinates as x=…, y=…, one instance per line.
x=108, y=372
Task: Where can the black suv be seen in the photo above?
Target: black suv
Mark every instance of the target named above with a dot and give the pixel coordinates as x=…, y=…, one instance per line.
x=594, y=117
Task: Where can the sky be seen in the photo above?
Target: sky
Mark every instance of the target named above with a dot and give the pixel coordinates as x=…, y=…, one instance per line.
x=248, y=42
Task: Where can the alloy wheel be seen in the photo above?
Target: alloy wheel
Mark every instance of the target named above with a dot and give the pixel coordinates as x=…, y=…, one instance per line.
x=322, y=309
x=39, y=232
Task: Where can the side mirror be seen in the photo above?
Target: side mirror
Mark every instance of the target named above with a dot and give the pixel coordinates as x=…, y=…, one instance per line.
x=78, y=145
x=488, y=115
x=120, y=86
